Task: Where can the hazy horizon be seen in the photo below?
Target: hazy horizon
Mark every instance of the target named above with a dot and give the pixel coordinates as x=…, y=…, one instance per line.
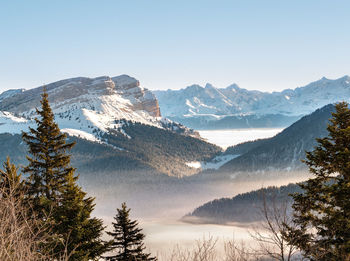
x=182, y=87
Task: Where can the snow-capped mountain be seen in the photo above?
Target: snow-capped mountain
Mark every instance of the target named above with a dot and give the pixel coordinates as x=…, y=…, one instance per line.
x=84, y=106
x=116, y=123
x=207, y=105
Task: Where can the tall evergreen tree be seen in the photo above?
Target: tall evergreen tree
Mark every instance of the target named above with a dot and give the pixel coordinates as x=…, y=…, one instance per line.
x=322, y=211
x=49, y=163
x=54, y=195
x=128, y=238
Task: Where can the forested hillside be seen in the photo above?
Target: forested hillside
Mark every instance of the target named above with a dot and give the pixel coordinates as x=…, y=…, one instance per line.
x=146, y=149
x=283, y=151
x=243, y=208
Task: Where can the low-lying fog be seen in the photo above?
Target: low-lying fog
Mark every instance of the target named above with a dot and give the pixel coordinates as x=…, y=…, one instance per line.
x=159, y=206
x=226, y=138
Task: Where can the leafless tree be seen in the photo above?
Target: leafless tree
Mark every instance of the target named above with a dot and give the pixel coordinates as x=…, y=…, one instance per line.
x=20, y=235
x=237, y=251
x=204, y=250
x=268, y=234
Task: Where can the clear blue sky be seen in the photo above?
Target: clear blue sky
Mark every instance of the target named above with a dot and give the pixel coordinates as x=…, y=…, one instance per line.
x=265, y=45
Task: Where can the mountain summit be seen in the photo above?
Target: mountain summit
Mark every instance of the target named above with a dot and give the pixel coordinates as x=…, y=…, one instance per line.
x=92, y=103
x=116, y=122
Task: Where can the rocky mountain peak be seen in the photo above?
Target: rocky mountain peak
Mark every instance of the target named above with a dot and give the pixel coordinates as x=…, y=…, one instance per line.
x=81, y=90
x=82, y=105
x=234, y=101
x=125, y=81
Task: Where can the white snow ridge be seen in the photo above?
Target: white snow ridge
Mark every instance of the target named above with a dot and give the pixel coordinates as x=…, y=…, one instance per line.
x=83, y=107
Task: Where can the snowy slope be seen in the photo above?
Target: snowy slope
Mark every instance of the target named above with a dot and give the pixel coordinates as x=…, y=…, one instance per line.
x=85, y=107
x=9, y=93
x=214, y=103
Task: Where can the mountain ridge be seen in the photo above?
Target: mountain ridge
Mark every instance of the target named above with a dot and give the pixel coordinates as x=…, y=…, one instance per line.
x=110, y=112
x=231, y=106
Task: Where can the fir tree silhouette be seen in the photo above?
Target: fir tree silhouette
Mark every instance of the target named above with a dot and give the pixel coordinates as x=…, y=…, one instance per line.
x=128, y=238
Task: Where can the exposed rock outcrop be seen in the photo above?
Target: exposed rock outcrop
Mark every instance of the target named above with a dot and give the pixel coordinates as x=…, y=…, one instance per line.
x=79, y=90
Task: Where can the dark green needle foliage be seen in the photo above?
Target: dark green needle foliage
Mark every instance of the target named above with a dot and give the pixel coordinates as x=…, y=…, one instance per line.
x=128, y=238
x=54, y=195
x=322, y=211
x=49, y=163
x=80, y=234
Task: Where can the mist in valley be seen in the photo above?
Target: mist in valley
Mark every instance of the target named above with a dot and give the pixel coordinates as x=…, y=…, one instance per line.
x=160, y=202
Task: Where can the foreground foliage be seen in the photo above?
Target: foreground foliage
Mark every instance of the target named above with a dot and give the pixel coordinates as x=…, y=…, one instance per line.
x=54, y=195
x=19, y=232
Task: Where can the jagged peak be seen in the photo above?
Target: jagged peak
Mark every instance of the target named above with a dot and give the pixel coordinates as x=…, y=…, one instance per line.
x=194, y=87
x=325, y=79
x=233, y=86
x=346, y=79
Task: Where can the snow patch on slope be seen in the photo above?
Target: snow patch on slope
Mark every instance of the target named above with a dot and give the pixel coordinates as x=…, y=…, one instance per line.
x=215, y=163
x=10, y=123
x=194, y=164
x=80, y=134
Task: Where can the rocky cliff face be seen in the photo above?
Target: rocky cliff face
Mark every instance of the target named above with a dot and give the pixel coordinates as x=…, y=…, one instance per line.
x=142, y=99
x=81, y=90
x=87, y=107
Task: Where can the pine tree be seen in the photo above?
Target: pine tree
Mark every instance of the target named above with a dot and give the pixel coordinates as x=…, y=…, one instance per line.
x=54, y=195
x=49, y=164
x=128, y=238
x=81, y=234
x=322, y=212
x=10, y=182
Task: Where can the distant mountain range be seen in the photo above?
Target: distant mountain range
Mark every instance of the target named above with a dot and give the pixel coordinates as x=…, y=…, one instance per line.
x=119, y=127
x=233, y=107
x=116, y=122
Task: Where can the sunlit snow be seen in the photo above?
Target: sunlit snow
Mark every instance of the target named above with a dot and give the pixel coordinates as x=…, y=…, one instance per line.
x=226, y=138
x=80, y=134
x=194, y=164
